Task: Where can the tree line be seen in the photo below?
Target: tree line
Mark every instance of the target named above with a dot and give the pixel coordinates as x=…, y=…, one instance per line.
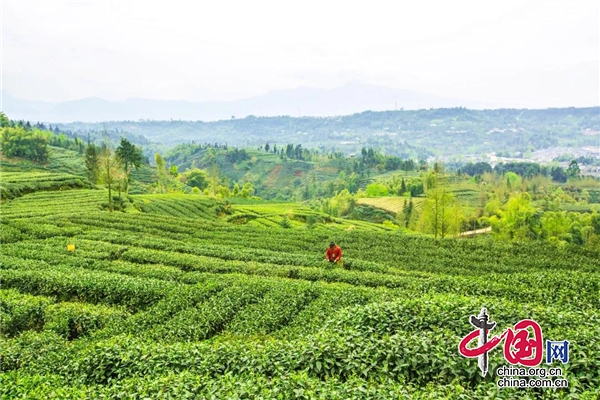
x=22, y=139
x=113, y=168
x=524, y=169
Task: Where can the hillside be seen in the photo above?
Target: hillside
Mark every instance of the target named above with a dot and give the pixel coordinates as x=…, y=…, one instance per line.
x=64, y=170
x=181, y=295
x=271, y=175
x=169, y=299
x=409, y=134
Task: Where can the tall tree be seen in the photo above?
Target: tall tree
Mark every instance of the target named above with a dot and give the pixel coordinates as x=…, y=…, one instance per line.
x=247, y=189
x=442, y=214
x=214, y=178
x=160, y=169
x=558, y=174
x=92, y=160
x=110, y=172
x=407, y=212
x=130, y=157
x=4, y=121
x=573, y=171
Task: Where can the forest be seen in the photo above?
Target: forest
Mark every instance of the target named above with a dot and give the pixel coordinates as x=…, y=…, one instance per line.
x=408, y=134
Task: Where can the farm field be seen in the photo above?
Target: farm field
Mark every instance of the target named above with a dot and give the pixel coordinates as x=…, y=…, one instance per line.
x=61, y=172
x=276, y=201
x=15, y=184
x=392, y=204
x=182, y=297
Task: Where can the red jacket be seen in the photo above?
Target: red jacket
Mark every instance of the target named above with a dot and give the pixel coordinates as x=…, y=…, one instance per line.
x=333, y=254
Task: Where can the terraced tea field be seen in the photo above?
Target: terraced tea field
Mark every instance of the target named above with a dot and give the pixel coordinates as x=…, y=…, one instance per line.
x=182, y=297
x=15, y=184
x=393, y=204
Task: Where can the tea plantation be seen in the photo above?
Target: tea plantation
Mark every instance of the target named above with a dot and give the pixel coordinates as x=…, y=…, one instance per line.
x=184, y=297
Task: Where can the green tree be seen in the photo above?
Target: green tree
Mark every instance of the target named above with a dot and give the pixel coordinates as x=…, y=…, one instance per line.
x=573, y=171
x=19, y=142
x=377, y=190
x=555, y=224
x=440, y=212
x=110, y=172
x=493, y=206
x=223, y=191
x=516, y=220
x=160, y=170
x=130, y=157
x=160, y=163
x=4, y=121
x=595, y=223
x=196, y=178
x=558, y=174
x=352, y=181
x=407, y=212
x=247, y=190
x=456, y=217
x=342, y=203
x=92, y=163
x=214, y=178
x=430, y=181
x=512, y=180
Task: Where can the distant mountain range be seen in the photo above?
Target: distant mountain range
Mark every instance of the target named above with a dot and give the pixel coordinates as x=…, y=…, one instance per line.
x=303, y=101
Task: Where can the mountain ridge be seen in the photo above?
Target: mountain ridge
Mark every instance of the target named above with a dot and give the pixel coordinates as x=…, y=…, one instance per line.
x=350, y=98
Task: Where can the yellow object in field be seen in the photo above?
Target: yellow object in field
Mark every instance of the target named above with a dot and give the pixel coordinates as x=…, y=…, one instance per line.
x=70, y=247
x=340, y=262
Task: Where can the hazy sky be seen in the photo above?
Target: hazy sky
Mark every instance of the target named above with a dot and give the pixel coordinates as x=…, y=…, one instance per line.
x=535, y=53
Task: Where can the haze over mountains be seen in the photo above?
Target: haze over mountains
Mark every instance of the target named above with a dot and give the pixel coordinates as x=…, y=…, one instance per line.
x=303, y=101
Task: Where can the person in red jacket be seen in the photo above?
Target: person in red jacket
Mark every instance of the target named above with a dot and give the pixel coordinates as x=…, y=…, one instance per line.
x=334, y=253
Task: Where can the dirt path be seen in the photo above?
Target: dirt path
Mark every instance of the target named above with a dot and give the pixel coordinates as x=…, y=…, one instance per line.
x=477, y=231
